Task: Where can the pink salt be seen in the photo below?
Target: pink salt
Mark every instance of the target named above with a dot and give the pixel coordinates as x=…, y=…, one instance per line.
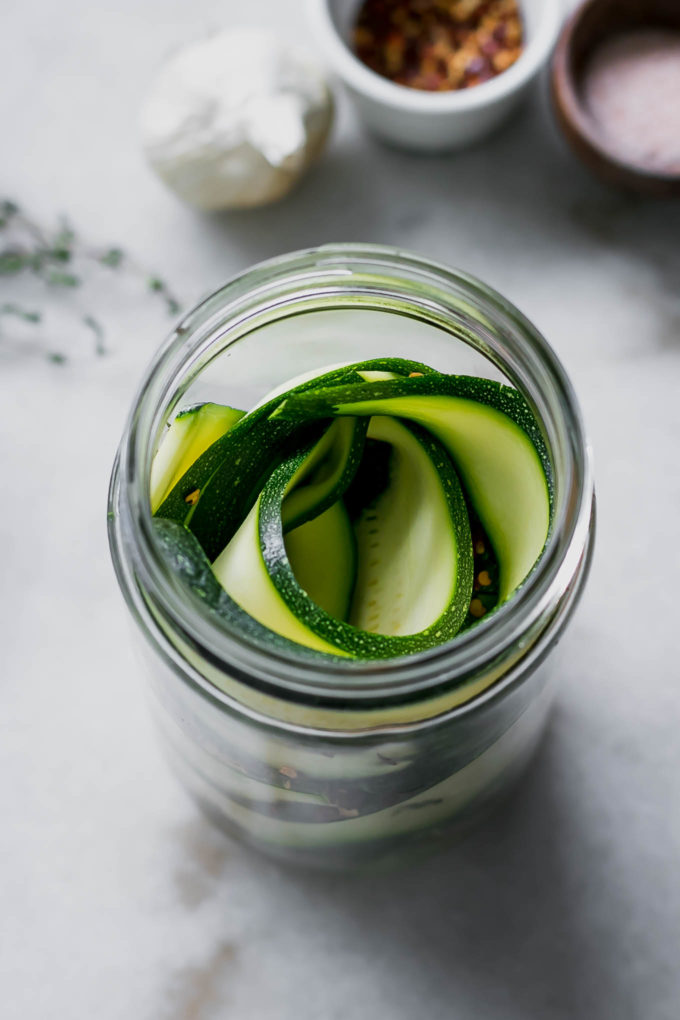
x=632, y=91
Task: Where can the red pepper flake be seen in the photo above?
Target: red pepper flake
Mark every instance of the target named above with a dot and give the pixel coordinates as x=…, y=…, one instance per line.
x=438, y=45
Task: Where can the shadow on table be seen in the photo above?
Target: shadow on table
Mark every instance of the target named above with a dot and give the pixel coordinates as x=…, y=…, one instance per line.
x=520, y=191
x=366, y=191
x=498, y=920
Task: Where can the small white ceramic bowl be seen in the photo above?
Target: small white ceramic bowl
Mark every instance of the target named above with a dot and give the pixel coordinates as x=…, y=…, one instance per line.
x=433, y=121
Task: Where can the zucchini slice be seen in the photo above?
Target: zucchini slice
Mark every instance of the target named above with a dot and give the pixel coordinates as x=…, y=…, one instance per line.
x=215, y=493
x=493, y=439
x=243, y=573
x=328, y=471
x=185, y=557
x=322, y=555
x=408, y=569
x=242, y=569
x=416, y=584
x=188, y=436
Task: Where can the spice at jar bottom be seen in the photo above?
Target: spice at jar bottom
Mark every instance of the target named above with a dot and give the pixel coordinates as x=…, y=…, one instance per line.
x=438, y=45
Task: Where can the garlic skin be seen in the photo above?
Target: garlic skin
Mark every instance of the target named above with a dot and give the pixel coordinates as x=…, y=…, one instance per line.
x=235, y=120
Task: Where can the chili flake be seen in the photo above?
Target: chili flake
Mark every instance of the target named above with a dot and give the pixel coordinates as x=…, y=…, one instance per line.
x=438, y=45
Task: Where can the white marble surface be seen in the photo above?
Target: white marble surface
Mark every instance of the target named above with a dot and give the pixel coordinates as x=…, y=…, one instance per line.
x=116, y=898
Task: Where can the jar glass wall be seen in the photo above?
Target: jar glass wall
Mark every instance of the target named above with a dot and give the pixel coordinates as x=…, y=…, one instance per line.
x=343, y=763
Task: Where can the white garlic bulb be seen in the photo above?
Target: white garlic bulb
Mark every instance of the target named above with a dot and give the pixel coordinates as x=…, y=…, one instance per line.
x=235, y=120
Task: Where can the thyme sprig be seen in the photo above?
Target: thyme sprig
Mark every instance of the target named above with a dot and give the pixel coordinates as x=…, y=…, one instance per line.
x=56, y=258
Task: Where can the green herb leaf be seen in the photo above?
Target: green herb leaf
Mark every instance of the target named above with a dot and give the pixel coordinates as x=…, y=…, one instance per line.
x=112, y=258
x=58, y=279
x=20, y=313
x=12, y=262
x=63, y=242
x=8, y=209
x=98, y=331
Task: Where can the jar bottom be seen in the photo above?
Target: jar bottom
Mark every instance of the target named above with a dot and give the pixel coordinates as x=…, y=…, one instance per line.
x=490, y=777
x=390, y=854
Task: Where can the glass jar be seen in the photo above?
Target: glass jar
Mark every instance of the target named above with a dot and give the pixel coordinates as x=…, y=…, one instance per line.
x=348, y=763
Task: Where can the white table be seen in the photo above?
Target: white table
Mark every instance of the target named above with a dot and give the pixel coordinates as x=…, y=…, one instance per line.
x=118, y=900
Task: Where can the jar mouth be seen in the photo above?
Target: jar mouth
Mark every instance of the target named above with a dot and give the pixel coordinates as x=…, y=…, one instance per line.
x=376, y=278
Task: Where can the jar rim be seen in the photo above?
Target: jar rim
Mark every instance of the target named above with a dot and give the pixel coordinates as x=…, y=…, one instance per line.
x=277, y=284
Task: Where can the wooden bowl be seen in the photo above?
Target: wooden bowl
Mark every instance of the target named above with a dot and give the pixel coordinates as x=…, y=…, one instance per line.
x=593, y=23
